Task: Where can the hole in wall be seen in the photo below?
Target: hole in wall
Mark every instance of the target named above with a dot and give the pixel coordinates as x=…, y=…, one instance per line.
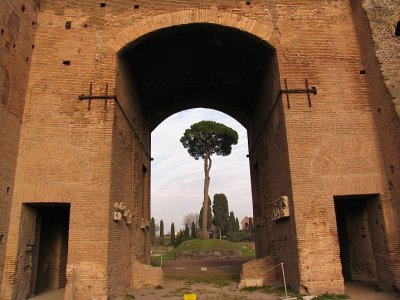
x=27, y=59
x=68, y=25
x=136, y=6
x=362, y=72
x=1, y=238
x=14, y=46
x=379, y=110
x=102, y=4
x=67, y=62
x=248, y=3
x=392, y=169
x=33, y=46
x=8, y=190
x=2, y=31
x=390, y=185
x=23, y=8
x=397, y=31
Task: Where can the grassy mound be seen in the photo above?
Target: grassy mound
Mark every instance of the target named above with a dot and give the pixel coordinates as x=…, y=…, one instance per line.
x=212, y=245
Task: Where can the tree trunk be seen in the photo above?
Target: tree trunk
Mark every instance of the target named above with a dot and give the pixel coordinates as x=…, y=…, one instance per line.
x=207, y=167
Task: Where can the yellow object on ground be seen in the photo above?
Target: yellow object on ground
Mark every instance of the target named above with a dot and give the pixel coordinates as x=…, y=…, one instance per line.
x=189, y=297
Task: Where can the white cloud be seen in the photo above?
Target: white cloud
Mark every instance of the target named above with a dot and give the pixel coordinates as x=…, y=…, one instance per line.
x=177, y=178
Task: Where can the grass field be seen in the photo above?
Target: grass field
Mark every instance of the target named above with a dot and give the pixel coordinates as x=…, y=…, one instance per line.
x=204, y=245
x=213, y=244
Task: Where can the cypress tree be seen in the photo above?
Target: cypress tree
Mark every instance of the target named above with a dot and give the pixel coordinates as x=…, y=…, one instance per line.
x=251, y=228
x=231, y=222
x=193, y=230
x=161, y=229
x=221, y=213
x=152, y=228
x=172, y=234
x=186, y=232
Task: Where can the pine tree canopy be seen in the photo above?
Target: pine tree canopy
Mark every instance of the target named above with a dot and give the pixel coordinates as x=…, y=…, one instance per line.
x=209, y=137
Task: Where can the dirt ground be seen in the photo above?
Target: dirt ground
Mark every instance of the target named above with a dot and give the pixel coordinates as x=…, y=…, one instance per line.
x=186, y=276
x=215, y=279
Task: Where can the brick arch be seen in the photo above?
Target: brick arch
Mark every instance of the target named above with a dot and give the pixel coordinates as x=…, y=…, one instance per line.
x=213, y=16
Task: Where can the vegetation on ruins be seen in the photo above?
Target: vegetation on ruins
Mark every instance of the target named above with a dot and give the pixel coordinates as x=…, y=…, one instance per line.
x=193, y=245
x=202, y=140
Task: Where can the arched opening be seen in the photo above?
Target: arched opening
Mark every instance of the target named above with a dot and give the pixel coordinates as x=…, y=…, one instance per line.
x=177, y=196
x=177, y=178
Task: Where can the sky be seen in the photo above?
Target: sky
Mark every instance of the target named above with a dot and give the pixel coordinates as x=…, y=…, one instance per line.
x=177, y=179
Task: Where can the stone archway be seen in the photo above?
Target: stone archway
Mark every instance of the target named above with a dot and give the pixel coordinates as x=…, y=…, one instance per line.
x=233, y=69
x=212, y=16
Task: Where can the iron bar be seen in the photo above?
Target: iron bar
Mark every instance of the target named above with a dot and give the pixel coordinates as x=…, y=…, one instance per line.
x=106, y=93
x=90, y=94
x=307, y=90
x=85, y=97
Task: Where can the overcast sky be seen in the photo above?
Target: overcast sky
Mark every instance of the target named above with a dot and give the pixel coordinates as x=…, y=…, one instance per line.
x=177, y=178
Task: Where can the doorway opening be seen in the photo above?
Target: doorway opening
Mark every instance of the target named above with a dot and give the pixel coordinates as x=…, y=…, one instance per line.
x=356, y=231
x=51, y=248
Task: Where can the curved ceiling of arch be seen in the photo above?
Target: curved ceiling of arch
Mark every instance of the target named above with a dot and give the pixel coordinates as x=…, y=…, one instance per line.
x=198, y=65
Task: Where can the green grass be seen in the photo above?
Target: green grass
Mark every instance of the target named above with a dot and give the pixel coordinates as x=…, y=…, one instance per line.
x=203, y=245
x=156, y=260
x=216, y=280
x=331, y=297
x=212, y=245
x=274, y=290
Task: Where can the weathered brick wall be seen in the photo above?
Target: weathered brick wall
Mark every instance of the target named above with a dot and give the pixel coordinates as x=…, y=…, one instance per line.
x=375, y=22
x=64, y=154
x=17, y=32
x=333, y=144
x=71, y=154
x=383, y=17
x=262, y=268
x=146, y=276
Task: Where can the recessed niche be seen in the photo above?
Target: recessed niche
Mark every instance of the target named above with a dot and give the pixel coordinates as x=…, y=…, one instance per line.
x=67, y=62
x=68, y=25
x=102, y=4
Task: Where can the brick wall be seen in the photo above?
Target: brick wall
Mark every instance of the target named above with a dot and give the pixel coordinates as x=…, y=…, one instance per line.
x=375, y=23
x=92, y=158
x=17, y=32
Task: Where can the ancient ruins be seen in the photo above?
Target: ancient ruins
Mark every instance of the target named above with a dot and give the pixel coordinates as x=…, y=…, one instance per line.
x=84, y=83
